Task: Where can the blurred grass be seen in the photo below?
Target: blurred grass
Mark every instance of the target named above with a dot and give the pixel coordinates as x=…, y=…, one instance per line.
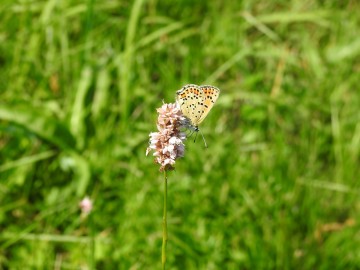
x=276, y=189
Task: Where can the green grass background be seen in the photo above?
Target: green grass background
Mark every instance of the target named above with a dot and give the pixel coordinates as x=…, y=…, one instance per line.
x=278, y=187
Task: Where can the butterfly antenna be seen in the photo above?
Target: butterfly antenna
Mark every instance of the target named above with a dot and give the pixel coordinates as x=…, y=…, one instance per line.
x=203, y=139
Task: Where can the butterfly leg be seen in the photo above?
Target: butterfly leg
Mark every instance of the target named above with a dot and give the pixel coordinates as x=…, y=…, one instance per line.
x=191, y=132
x=195, y=136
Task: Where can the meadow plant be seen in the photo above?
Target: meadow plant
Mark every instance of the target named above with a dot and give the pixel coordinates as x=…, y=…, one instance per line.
x=168, y=145
x=168, y=142
x=86, y=207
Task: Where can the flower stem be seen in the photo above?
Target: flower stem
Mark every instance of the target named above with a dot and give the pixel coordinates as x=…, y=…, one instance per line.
x=92, y=242
x=165, y=236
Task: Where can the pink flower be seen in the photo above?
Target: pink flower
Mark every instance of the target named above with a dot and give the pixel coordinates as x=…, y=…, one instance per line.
x=168, y=142
x=86, y=205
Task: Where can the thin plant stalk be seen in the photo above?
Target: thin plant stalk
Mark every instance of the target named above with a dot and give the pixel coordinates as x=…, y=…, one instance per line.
x=86, y=206
x=165, y=235
x=168, y=145
x=92, y=243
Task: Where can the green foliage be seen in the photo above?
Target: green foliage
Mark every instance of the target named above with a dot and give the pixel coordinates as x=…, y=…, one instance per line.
x=278, y=187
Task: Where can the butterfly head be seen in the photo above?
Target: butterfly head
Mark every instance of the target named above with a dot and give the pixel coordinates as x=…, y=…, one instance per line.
x=188, y=124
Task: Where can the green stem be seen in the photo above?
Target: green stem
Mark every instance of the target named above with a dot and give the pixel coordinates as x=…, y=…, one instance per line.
x=165, y=236
x=92, y=243
x=127, y=65
x=88, y=27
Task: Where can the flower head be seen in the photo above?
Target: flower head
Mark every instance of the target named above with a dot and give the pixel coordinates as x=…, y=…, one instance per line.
x=168, y=142
x=86, y=206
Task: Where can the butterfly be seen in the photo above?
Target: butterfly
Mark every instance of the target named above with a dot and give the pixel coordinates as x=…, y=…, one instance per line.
x=195, y=103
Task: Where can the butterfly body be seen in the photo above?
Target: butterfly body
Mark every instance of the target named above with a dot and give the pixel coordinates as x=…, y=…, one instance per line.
x=196, y=102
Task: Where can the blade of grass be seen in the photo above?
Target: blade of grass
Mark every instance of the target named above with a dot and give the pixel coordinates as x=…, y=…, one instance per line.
x=83, y=174
x=327, y=185
x=52, y=238
x=127, y=64
x=39, y=122
x=260, y=26
x=318, y=17
x=78, y=114
x=88, y=27
x=26, y=160
x=226, y=66
x=156, y=35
